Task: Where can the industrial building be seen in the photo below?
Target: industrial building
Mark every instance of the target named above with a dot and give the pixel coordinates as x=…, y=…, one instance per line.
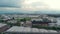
x=28, y=30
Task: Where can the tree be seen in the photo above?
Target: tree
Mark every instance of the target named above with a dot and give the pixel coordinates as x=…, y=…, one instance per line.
x=17, y=24
x=24, y=19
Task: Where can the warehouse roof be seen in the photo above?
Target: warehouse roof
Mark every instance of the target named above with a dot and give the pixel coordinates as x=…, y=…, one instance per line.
x=28, y=30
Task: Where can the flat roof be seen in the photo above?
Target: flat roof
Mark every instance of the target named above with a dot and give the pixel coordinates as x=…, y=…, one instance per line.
x=2, y=24
x=29, y=30
x=19, y=29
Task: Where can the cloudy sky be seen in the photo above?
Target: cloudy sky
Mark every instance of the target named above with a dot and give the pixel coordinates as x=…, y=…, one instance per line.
x=30, y=5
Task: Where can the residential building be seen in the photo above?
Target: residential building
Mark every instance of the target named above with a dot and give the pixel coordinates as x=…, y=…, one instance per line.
x=22, y=23
x=28, y=24
x=12, y=21
x=52, y=25
x=3, y=27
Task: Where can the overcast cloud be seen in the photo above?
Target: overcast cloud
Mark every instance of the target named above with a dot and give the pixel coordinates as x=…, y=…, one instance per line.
x=29, y=5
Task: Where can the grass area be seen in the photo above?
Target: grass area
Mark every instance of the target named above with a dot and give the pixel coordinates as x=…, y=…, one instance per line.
x=23, y=19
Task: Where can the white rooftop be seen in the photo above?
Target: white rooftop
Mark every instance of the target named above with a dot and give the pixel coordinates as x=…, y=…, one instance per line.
x=34, y=30
x=52, y=31
x=43, y=30
x=1, y=25
x=12, y=21
x=37, y=19
x=28, y=29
